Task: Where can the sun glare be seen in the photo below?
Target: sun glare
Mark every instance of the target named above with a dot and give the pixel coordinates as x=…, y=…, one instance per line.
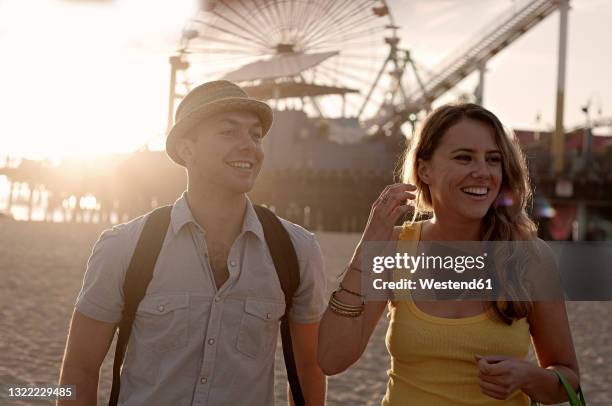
x=85, y=79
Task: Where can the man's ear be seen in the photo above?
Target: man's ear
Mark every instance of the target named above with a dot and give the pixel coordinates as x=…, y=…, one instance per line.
x=423, y=170
x=185, y=149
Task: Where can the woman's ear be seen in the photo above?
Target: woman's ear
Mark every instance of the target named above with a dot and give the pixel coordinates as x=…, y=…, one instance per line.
x=423, y=170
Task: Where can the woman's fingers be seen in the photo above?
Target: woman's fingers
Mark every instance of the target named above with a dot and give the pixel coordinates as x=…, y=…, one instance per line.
x=497, y=379
x=493, y=359
x=391, y=204
x=395, y=194
x=401, y=196
x=400, y=187
x=400, y=209
x=394, y=189
x=394, y=201
x=494, y=391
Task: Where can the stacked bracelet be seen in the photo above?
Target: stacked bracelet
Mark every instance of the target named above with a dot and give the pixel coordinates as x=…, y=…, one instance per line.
x=343, y=309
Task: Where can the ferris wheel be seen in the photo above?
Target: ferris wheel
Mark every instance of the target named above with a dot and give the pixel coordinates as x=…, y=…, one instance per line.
x=332, y=58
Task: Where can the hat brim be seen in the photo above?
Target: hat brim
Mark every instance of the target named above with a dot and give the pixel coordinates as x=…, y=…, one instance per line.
x=261, y=109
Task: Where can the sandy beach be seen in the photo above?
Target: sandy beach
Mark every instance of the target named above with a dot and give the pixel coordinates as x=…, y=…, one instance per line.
x=41, y=270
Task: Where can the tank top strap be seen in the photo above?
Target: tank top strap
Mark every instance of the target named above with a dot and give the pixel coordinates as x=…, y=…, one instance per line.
x=407, y=243
x=411, y=231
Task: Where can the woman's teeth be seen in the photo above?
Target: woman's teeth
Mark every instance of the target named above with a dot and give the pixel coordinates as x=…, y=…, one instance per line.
x=478, y=191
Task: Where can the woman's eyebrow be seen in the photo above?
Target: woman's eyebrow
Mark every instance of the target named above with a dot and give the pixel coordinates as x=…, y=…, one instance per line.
x=491, y=151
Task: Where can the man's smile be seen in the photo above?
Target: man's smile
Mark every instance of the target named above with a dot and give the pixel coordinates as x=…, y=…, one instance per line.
x=241, y=165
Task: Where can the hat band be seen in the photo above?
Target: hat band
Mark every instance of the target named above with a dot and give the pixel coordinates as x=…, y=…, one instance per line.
x=224, y=93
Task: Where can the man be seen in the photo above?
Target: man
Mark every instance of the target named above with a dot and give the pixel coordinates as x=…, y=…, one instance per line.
x=205, y=333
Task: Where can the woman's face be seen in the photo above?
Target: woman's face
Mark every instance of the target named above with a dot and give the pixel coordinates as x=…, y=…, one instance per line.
x=464, y=174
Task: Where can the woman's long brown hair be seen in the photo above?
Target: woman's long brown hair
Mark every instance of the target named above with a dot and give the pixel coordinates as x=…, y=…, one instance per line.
x=506, y=219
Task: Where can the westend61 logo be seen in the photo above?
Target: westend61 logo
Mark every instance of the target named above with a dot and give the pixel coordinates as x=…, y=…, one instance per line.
x=413, y=263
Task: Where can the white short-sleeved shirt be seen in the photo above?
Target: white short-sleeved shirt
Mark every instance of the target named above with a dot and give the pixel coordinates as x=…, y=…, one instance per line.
x=192, y=344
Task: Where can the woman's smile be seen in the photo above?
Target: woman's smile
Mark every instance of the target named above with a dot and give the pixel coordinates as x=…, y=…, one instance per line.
x=477, y=193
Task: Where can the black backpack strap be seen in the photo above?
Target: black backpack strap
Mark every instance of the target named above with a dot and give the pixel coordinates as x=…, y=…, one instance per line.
x=288, y=271
x=137, y=278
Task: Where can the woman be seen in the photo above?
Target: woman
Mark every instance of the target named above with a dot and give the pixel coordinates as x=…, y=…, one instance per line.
x=465, y=171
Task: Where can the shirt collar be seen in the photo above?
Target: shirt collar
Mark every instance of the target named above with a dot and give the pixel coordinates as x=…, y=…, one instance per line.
x=181, y=215
x=251, y=221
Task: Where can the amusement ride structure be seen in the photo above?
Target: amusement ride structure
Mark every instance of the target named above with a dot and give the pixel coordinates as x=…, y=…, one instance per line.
x=313, y=54
x=344, y=90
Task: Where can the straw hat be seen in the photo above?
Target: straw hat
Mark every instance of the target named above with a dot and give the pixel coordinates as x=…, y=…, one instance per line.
x=208, y=99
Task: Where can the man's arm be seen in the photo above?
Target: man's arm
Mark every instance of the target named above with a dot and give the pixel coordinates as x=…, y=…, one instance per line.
x=304, y=338
x=87, y=345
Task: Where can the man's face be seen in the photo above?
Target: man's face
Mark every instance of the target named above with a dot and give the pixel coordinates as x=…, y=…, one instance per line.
x=225, y=151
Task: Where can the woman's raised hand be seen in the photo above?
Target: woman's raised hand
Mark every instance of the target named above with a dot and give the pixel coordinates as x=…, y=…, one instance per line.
x=386, y=210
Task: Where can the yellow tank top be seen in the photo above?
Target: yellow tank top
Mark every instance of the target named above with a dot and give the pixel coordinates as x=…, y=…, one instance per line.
x=432, y=358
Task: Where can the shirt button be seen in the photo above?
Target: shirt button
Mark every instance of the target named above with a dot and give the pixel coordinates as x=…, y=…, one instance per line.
x=268, y=316
x=160, y=308
x=232, y=263
x=203, y=380
x=211, y=341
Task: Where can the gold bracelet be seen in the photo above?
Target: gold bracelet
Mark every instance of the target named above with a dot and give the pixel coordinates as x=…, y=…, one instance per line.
x=336, y=305
x=344, y=309
x=346, y=306
x=339, y=309
x=344, y=313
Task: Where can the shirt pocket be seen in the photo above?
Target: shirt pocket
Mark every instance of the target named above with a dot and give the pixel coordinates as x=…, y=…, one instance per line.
x=258, y=326
x=163, y=322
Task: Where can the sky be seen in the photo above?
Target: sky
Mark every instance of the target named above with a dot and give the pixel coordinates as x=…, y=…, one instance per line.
x=89, y=77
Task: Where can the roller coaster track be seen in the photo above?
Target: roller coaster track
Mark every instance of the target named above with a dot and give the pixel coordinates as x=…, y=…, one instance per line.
x=502, y=32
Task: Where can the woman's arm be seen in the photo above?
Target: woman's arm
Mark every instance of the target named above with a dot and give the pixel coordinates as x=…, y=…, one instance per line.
x=500, y=376
x=552, y=340
x=550, y=334
x=343, y=339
